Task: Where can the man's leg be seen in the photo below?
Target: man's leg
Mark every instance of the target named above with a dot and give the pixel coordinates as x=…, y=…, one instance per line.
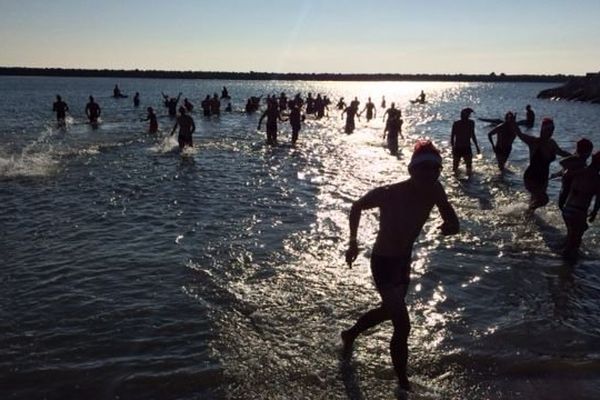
x=368, y=320
x=393, y=302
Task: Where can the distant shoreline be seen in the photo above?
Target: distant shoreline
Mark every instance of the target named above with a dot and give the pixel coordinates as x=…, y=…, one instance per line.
x=273, y=76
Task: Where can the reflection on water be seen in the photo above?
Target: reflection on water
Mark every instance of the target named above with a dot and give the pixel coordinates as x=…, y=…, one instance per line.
x=133, y=271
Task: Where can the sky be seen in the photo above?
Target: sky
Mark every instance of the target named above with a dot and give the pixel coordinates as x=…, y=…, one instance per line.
x=385, y=36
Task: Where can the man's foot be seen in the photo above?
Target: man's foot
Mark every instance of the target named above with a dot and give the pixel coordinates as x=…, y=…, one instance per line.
x=347, y=341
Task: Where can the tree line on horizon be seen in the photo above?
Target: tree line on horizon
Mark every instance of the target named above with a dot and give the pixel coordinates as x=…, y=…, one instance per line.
x=291, y=76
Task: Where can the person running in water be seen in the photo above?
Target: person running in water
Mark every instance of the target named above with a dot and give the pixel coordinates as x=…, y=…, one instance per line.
x=463, y=131
x=93, y=111
x=542, y=151
x=153, y=127
x=404, y=208
x=341, y=104
x=585, y=186
x=189, y=107
x=393, y=128
x=506, y=133
x=351, y=112
x=60, y=108
x=272, y=114
x=370, y=109
x=570, y=165
x=295, y=122
x=186, y=128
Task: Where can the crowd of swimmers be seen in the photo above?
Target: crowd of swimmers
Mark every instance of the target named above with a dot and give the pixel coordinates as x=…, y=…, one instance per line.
x=405, y=206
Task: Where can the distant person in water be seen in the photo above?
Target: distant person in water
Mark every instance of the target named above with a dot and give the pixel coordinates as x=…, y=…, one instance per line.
x=506, y=133
x=570, y=165
x=186, y=126
x=60, y=108
x=383, y=103
x=542, y=151
x=404, y=208
x=420, y=98
x=351, y=111
x=295, y=122
x=228, y=107
x=117, y=92
x=463, y=132
x=584, y=187
x=224, y=93
x=93, y=111
x=215, y=105
x=393, y=128
x=341, y=104
x=153, y=127
x=189, y=107
x=136, y=99
x=171, y=104
x=205, y=104
x=272, y=114
x=529, y=120
x=370, y=109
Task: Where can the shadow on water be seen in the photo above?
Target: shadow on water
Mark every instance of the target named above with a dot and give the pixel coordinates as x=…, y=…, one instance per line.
x=350, y=377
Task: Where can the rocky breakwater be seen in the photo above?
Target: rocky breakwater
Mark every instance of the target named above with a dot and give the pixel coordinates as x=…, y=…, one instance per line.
x=584, y=88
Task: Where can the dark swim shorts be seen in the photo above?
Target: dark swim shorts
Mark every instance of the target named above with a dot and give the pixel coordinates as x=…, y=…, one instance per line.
x=390, y=271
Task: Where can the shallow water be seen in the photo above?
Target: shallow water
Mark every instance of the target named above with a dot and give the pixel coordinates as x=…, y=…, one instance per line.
x=131, y=271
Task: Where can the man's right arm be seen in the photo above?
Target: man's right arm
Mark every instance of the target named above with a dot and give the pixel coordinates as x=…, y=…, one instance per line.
x=370, y=200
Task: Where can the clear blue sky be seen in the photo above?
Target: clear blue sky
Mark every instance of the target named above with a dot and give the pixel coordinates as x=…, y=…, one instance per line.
x=397, y=36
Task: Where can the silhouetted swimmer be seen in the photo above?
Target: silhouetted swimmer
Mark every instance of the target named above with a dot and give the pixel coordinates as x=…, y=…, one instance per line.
x=295, y=122
x=404, y=208
x=506, y=133
x=542, y=151
x=153, y=127
x=224, y=93
x=584, y=187
x=117, y=93
x=421, y=97
x=215, y=105
x=171, y=104
x=341, y=104
x=370, y=109
x=463, y=131
x=228, y=107
x=351, y=112
x=186, y=129
x=529, y=120
x=189, y=107
x=570, y=165
x=93, y=111
x=383, y=103
x=272, y=114
x=60, y=108
x=205, y=104
x=320, y=106
x=393, y=128
x=136, y=99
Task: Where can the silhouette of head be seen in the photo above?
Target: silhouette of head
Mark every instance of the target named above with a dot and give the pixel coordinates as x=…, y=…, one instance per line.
x=509, y=116
x=92, y=99
x=58, y=97
x=584, y=147
x=465, y=113
x=547, y=128
x=150, y=109
x=426, y=162
x=182, y=110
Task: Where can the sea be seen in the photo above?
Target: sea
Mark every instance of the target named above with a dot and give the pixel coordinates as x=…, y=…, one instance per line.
x=130, y=270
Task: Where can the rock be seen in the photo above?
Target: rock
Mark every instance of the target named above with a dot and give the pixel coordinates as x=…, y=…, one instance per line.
x=585, y=88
